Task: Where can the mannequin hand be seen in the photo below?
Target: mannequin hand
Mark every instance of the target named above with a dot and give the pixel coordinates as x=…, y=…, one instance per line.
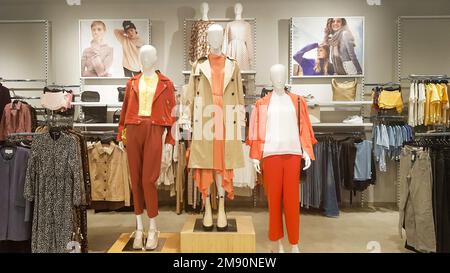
x=121, y=145
x=186, y=127
x=256, y=165
x=169, y=149
x=307, y=160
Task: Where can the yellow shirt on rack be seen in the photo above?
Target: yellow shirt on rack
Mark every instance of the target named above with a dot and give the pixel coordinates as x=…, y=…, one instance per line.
x=444, y=103
x=435, y=104
x=147, y=89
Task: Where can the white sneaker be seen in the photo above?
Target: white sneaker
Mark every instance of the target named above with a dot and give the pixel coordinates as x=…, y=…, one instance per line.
x=138, y=242
x=353, y=120
x=152, y=239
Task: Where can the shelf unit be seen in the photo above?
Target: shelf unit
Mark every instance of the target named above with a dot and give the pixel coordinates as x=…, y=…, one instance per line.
x=92, y=104
x=341, y=125
x=112, y=125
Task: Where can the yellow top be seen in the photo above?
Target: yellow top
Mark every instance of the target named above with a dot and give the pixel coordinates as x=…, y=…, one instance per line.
x=445, y=104
x=391, y=100
x=435, y=104
x=147, y=89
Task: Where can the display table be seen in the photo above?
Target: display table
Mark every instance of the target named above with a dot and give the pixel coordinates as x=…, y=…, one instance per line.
x=168, y=243
x=239, y=238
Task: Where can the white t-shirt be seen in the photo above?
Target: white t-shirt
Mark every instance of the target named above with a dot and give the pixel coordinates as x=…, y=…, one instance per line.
x=282, y=135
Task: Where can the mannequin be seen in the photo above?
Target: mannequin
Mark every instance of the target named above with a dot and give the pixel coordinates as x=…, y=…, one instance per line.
x=215, y=40
x=238, y=40
x=278, y=79
x=154, y=93
x=238, y=11
x=215, y=86
x=204, y=9
x=277, y=117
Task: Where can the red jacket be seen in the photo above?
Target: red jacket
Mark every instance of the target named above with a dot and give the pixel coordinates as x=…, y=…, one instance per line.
x=162, y=107
x=258, y=121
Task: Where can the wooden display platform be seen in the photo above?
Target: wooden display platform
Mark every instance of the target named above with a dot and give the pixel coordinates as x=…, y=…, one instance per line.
x=241, y=240
x=168, y=243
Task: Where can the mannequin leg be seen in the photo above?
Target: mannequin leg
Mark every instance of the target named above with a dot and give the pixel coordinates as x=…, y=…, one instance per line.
x=222, y=223
x=138, y=242
x=207, y=214
x=153, y=234
x=220, y=189
x=280, y=246
x=273, y=178
x=152, y=225
x=291, y=199
x=140, y=224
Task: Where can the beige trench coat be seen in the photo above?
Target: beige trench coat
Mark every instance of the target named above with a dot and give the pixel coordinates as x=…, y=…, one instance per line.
x=198, y=111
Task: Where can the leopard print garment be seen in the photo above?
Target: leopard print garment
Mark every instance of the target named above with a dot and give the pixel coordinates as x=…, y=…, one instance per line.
x=199, y=40
x=53, y=183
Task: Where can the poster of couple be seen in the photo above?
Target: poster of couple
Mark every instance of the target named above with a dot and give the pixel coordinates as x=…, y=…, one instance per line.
x=327, y=47
x=110, y=48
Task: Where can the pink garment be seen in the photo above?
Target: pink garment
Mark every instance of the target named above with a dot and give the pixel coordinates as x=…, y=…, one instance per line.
x=16, y=119
x=96, y=60
x=56, y=100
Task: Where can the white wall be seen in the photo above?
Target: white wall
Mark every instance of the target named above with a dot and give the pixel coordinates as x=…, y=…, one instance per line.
x=272, y=19
x=272, y=28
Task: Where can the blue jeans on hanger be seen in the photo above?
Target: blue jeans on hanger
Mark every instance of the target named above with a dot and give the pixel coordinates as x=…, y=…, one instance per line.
x=330, y=198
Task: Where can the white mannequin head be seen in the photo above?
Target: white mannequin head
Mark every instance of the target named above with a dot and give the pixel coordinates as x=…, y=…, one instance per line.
x=238, y=11
x=204, y=9
x=148, y=57
x=278, y=77
x=215, y=38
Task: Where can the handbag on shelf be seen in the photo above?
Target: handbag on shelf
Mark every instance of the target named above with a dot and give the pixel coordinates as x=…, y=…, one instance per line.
x=90, y=96
x=344, y=91
x=95, y=114
x=121, y=95
x=116, y=116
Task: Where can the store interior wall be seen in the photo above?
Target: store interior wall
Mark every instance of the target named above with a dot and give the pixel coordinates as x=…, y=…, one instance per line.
x=167, y=18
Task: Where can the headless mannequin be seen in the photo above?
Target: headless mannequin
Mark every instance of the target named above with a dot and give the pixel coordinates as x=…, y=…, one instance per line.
x=278, y=78
x=204, y=9
x=148, y=58
x=238, y=11
x=215, y=40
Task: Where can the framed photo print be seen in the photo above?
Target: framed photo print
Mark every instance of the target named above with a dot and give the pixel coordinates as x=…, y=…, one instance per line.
x=327, y=47
x=110, y=48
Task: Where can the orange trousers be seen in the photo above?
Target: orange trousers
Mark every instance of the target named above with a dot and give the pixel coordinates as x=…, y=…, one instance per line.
x=281, y=176
x=144, y=150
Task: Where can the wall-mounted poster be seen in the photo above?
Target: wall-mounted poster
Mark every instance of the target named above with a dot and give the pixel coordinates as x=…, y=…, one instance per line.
x=110, y=48
x=327, y=47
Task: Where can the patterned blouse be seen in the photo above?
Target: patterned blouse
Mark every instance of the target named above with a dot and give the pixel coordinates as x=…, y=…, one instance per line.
x=53, y=183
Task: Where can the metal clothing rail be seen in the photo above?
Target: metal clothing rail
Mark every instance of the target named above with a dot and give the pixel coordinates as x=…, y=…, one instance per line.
x=425, y=77
x=63, y=86
x=25, y=98
x=22, y=80
x=93, y=133
x=23, y=134
x=432, y=134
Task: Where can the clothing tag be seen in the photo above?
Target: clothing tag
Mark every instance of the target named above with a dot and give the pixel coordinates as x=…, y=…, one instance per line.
x=9, y=151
